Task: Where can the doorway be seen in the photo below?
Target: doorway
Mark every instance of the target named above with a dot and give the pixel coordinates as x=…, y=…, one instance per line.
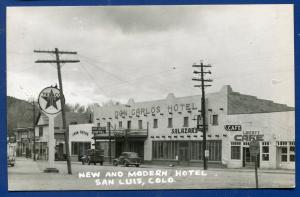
x=249, y=160
x=183, y=152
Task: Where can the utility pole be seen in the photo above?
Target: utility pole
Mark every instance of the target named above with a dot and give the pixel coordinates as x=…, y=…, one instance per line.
x=109, y=141
x=33, y=126
x=203, y=109
x=62, y=101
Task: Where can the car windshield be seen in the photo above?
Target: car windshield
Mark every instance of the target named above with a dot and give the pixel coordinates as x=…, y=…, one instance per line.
x=132, y=155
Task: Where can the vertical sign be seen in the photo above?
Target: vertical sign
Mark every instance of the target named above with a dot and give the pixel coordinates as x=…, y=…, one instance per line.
x=49, y=103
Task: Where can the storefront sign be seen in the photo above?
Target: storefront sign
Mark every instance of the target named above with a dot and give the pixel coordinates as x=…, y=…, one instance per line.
x=233, y=127
x=249, y=136
x=155, y=110
x=80, y=132
x=49, y=100
x=184, y=130
x=99, y=130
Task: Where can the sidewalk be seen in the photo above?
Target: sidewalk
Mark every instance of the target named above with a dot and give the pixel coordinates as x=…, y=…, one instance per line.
x=277, y=171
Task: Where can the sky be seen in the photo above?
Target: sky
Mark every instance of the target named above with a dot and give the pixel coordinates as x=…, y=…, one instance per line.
x=146, y=52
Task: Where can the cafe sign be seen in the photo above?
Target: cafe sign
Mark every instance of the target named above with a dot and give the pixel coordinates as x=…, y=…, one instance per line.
x=233, y=127
x=249, y=136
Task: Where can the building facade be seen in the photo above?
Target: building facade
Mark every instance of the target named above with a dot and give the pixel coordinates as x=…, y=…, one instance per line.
x=164, y=131
x=42, y=130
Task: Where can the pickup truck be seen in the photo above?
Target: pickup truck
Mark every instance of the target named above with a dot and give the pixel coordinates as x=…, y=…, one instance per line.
x=93, y=156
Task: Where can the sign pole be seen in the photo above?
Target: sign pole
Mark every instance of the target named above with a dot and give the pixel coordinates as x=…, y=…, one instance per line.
x=256, y=176
x=51, y=142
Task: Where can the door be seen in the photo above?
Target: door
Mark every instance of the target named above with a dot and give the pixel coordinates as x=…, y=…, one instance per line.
x=249, y=160
x=183, y=152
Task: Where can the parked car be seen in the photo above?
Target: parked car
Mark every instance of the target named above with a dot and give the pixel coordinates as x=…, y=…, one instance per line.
x=127, y=159
x=93, y=156
x=11, y=161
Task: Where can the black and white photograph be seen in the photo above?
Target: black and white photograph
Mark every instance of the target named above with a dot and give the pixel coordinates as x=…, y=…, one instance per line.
x=150, y=97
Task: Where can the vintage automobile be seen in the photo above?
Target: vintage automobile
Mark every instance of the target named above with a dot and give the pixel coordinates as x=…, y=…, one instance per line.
x=93, y=156
x=127, y=159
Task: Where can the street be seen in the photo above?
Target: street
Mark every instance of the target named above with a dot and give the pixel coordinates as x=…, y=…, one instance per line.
x=28, y=175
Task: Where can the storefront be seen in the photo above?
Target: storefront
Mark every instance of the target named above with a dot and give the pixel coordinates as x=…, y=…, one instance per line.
x=80, y=139
x=233, y=120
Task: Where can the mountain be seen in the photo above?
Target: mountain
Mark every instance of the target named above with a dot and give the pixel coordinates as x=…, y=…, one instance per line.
x=19, y=113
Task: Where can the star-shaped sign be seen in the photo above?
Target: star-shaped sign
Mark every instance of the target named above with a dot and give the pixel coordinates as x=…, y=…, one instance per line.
x=51, y=100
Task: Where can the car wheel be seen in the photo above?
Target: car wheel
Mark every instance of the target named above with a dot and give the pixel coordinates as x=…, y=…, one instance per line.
x=126, y=164
x=101, y=163
x=137, y=165
x=89, y=163
x=12, y=165
x=94, y=163
x=115, y=163
x=82, y=162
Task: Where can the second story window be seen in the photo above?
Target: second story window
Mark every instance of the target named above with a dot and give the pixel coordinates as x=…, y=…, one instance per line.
x=170, y=123
x=120, y=124
x=128, y=124
x=185, y=121
x=214, y=120
x=140, y=124
x=40, y=131
x=155, y=124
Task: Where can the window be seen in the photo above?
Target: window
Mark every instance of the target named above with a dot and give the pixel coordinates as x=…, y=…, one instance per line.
x=140, y=124
x=215, y=120
x=284, y=154
x=98, y=124
x=165, y=149
x=292, y=153
x=80, y=148
x=155, y=125
x=40, y=131
x=287, y=151
x=128, y=124
x=213, y=146
x=235, y=150
x=185, y=121
x=170, y=123
x=265, y=151
x=120, y=124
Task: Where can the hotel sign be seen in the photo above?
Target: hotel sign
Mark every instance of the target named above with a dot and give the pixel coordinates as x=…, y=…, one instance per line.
x=233, y=127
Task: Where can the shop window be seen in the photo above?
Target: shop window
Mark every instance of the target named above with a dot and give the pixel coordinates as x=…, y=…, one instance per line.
x=185, y=121
x=265, y=151
x=40, y=131
x=235, y=150
x=120, y=124
x=170, y=123
x=80, y=148
x=155, y=123
x=165, y=150
x=214, y=119
x=140, y=124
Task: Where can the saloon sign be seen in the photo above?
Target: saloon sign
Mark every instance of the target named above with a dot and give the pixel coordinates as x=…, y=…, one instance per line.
x=49, y=100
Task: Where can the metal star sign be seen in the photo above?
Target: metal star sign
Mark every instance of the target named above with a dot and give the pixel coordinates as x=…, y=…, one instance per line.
x=49, y=100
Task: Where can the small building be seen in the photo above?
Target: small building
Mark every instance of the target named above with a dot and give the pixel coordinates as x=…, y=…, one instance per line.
x=165, y=131
x=24, y=141
x=41, y=131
